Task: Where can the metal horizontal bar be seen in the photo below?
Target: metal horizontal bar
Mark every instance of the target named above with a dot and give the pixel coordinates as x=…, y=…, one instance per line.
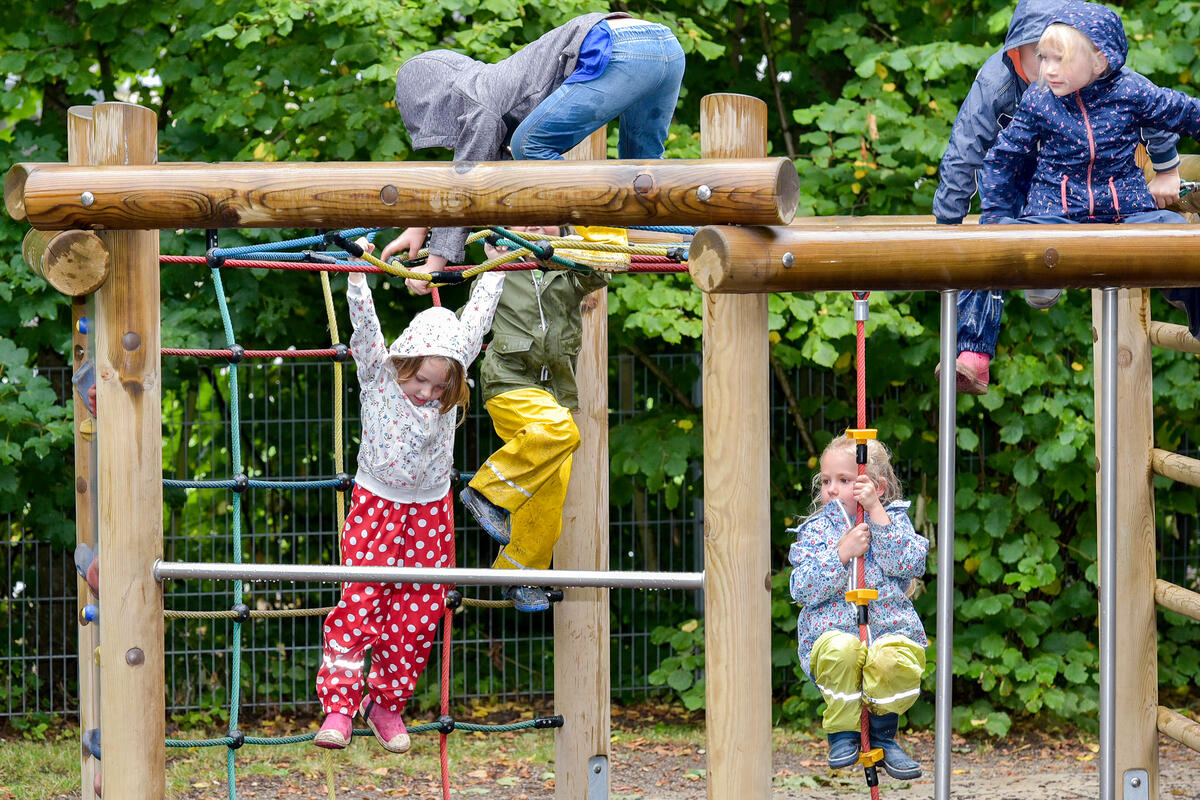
x=458, y=576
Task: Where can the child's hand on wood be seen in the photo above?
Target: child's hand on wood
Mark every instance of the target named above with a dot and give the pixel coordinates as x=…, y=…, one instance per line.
x=854, y=543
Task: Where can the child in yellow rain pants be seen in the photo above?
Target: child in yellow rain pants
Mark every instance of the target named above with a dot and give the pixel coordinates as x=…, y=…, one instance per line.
x=886, y=673
x=528, y=381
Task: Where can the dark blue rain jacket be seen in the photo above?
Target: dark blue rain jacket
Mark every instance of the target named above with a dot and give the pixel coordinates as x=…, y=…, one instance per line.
x=990, y=106
x=1082, y=144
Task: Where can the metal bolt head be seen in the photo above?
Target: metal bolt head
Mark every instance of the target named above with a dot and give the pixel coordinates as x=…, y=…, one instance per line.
x=703, y=194
x=1135, y=781
x=789, y=260
x=596, y=769
x=134, y=657
x=87, y=198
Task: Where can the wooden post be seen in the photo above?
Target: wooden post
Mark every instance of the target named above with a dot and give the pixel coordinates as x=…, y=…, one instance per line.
x=1136, y=680
x=737, y=520
x=79, y=151
x=129, y=442
x=581, y=621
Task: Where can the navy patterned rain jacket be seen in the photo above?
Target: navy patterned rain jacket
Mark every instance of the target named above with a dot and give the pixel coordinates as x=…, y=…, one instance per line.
x=990, y=106
x=1084, y=169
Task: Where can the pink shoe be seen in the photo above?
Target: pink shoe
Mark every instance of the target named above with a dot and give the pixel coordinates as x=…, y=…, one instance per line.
x=388, y=727
x=972, y=372
x=335, y=731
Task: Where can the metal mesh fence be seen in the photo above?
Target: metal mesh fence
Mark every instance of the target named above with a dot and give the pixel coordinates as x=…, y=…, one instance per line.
x=287, y=433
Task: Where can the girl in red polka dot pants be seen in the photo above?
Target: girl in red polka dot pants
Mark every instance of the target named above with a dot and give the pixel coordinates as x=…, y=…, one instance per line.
x=402, y=512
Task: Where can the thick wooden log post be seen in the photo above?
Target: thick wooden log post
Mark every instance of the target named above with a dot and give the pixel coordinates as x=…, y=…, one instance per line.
x=74, y=262
x=129, y=441
x=737, y=521
x=582, y=685
x=760, y=191
x=1136, y=680
x=908, y=257
x=79, y=151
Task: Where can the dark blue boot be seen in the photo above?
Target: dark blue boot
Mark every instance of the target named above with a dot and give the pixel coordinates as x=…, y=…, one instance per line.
x=843, y=748
x=1187, y=301
x=895, y=761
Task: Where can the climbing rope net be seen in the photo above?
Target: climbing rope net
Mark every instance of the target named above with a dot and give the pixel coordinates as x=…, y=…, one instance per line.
x=526, y=251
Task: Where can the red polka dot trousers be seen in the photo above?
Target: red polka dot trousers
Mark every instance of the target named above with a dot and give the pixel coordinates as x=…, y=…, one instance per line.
x=397, y=622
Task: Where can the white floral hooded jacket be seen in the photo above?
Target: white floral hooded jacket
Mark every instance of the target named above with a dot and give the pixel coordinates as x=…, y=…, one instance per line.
x=406, y=451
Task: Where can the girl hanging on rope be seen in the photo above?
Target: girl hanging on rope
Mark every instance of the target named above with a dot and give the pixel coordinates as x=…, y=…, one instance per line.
x=402, y=512
x=886, y=674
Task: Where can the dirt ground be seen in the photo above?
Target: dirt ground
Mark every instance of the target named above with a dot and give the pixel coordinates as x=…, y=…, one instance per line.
x=1028, y=766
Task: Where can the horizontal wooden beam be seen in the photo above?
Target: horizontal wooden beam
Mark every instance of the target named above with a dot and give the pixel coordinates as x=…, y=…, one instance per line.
x=908, y=257
x=1179, y=727
x=752, y=191
x=1173, y=337
x=1177, y=599
x=1175, y=466
x=73, y=262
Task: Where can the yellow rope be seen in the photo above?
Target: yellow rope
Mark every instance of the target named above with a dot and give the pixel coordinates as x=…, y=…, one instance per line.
x=603, y=247
x=339, y=460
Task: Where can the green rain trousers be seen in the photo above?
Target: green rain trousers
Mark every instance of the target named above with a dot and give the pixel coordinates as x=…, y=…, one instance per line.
x=886, y=675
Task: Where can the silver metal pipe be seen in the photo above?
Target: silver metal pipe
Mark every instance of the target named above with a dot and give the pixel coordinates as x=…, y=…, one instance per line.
x=458, y=576
x=947, y=413
x=1108, y=544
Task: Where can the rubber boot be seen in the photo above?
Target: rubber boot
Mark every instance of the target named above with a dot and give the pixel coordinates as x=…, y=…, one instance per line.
x=895, y=760
x=843, y=748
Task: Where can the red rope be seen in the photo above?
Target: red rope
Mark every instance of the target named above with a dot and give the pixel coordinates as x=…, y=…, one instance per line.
x=447, y=625
x=327, y=352
x=640, y=264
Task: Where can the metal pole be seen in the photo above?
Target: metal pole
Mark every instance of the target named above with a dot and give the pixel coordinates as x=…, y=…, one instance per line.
x=459, y=576
x=1108, y=544
x=948, y=409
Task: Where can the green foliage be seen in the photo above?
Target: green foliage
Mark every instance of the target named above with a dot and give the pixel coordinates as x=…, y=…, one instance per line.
x=682, y=671
x=862, y=99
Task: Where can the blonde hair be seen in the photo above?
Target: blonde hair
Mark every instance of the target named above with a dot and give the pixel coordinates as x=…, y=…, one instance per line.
x=457, y=393
x=879, y=468
x=1071, y=43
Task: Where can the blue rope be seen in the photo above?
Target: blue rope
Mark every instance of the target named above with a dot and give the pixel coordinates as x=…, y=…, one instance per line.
x=307, y=241
x=684, y=231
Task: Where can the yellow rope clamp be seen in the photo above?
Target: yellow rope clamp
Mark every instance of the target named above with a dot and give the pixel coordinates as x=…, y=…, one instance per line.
x=861, y=597
x=862, y=435
x=871, y=757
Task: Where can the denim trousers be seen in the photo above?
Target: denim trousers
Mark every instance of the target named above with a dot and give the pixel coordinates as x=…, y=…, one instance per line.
x=980, y=311
x=640, y=86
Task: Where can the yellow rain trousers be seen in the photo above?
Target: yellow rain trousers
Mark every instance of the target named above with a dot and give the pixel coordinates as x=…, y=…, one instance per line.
x=528, y=476
x=886, y=675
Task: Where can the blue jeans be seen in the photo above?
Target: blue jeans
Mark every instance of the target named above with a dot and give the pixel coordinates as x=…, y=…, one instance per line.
x=979, y=311
x=640, y=85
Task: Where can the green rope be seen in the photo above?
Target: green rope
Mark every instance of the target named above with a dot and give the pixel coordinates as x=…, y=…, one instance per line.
x=428, y=727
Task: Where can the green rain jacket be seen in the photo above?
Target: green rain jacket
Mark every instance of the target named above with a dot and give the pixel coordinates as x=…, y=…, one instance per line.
x=537, y=334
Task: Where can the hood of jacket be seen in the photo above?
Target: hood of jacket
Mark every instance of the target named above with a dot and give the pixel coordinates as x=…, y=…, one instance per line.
x=434, y=332
x=1100, y=24
x=1029, y=20
x=426, y=98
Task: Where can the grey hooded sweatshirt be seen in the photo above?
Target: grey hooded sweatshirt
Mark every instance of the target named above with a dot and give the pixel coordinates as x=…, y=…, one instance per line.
x=447, y=99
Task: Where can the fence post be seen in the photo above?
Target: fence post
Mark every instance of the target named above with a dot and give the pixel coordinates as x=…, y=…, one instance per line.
x=129, y=443
x=581, y=621
x=737, y=508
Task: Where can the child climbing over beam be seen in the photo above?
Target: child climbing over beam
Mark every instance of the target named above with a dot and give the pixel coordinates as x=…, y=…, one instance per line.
x=402, y=512
x=1001, y=82
x=540, y=102
x=886, y=675
x=1075, y=134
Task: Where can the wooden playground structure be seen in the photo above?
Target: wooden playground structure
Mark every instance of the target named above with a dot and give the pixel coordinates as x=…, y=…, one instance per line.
x=114, y=185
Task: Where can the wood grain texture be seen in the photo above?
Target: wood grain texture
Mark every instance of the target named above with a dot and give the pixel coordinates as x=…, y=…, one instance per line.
x=582, y=683
x=911, y=257
x=1173, y=337
x=1136, y=678
x=1177, y=599
x=760, y=191
x=74, y=262
x=737, y=525
x=79, y=151
x=129, y=440
x=1179, y=728
x=1175, y=466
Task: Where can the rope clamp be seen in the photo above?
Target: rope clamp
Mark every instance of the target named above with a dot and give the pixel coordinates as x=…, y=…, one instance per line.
x=861, y=597
x=871, y=757
x=341, y=241
x=556, y=721
x=862, y=435
x=862, y=309
x=448, y=277
x=318, y=258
